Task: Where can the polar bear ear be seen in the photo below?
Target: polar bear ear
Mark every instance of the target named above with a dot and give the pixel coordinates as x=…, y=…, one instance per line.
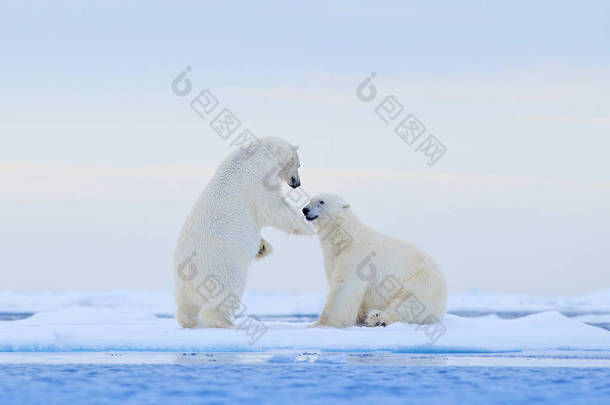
x=346, y=206
x=295, y=147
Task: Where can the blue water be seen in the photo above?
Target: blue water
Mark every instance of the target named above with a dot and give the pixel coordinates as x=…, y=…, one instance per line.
x=299, y=383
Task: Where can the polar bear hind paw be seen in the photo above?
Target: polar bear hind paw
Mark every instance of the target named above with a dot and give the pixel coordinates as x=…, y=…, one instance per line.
x=209, y=318
x=186, y=320
x=377, y=318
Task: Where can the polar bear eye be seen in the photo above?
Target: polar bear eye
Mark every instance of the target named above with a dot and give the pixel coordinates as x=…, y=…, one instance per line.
x=321, y=202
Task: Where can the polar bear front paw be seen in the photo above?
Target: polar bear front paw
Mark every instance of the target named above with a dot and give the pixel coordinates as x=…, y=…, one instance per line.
x=303, y=228
x=264, y=249
x=377, y=318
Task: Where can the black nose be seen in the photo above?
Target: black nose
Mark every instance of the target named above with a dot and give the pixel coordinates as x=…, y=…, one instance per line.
x=305, y=210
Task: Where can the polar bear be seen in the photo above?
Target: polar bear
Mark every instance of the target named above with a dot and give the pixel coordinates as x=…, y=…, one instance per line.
x=374, y=279
x=222, y=233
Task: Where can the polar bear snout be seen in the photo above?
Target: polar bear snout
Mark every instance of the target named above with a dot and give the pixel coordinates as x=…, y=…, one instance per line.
x=308, y=217
x=324, y=204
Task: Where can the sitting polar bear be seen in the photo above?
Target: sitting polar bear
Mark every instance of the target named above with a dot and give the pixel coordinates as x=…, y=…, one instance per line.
x=374, y=279
x=222, y=233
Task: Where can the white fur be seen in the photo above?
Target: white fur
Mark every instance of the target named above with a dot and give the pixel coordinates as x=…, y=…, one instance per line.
x=222, y=233
x=356, y=272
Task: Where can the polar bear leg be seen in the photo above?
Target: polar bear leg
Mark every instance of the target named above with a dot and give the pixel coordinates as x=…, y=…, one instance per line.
x=264, y=249
x=289, y=220
x=342, y=305
x=398, y=310
x=212, y=318
x=186, y=315
x=404, y=307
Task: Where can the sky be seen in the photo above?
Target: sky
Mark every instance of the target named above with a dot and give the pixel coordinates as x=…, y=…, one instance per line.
x=100, y=161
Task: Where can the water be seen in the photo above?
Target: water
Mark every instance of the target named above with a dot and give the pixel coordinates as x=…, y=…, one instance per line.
x=303, y=377
x=299, y=383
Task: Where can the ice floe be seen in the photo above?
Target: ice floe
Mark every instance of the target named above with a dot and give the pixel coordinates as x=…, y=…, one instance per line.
x=126, y=320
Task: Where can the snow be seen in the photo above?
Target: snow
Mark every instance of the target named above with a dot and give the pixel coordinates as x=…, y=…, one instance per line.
x=156, y=302
x=126, y=320
x=474, y=300
x=153, y=301
x=161, y=302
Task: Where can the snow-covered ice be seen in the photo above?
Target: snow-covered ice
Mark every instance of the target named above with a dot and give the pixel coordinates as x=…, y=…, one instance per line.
x=475, y=300
x=129, y=320
x=161, y=302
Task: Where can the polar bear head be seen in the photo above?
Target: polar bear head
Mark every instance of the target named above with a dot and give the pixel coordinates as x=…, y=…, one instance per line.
x=329, y=205
x=281, y=161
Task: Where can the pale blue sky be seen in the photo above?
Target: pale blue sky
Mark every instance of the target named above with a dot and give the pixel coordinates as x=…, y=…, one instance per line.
x=100, y=161
x=107, y=65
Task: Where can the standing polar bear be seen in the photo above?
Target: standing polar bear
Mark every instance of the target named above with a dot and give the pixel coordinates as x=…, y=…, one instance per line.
x=374, y=279
x=222, y=233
